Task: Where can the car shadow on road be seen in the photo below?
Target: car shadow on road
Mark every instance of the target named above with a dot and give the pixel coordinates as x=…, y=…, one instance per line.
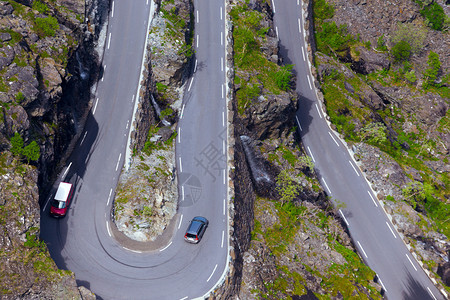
x=55, y=231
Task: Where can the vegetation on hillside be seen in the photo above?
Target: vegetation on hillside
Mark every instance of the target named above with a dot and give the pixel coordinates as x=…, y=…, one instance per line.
x=412, y=149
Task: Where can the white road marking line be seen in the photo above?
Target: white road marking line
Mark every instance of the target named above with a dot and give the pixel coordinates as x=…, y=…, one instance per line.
x=48, y=200
x=333, y=138
x=197, y=40
x=224, y=202
x=221, y=64
x=209, y=278
x=221, y=38
x=303, y=53
x=309, y=82
x=182, y=193
x=221, y=245
x=273, y=5
x=222, y=91
x=298, y=2
x=197, y=17
x=354, y=169
x=298, y=122
x=67, y=170
x=132, y=99
x=343, y=217
x=276, y=30
x=310, y=154
x=318, y=111
x=165, y=247
x=362, y=249
x=182, y=110
x=95, y=106
x=326, y=185
x=223, y=147
x=221, y=17
x=112, y=13
x=411, y=262
x=118, y=160
x=223, y=119
x=391, y=230
x=181, y=167
x=109, y=40
x=181, y=220
x=109, y=197
x=429, y=291
x=179, y=135
x=84, y=136
x=184, y=298
x=385, y=289
x=135, y=251
x=128, y=124
x=107, y=228
x=224, y=177
x=299, y=26
x=195, y=68
x=190, y=84
x=374, y=202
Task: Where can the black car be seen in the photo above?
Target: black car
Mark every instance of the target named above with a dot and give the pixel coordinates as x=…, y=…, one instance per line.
x=196, y=230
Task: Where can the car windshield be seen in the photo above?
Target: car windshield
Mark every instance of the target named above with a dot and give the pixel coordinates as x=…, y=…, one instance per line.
x=58, y=204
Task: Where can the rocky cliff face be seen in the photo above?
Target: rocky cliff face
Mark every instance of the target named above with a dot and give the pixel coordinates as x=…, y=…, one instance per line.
x=364, y=82
x=47, y=65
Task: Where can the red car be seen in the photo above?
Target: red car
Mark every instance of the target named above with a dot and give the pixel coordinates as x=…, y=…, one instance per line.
x=62, y=200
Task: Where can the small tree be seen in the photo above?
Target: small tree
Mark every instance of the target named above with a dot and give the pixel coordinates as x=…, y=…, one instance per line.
x=32, y=151
x=434, y=65
x=16, y=144
x=401, y=51
x=283, y=77
x=435, y=15
x=287, y=188
x=412, y=34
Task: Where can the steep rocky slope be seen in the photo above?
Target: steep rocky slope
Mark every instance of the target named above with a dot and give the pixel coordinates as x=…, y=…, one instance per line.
x=47, y=65
x=383, y=69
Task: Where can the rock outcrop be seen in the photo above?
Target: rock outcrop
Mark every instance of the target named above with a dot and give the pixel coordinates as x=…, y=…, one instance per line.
x=47, y=66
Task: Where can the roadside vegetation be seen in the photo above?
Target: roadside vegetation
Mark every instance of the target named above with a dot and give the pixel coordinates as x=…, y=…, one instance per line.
x=254, y=72
x=357, y=123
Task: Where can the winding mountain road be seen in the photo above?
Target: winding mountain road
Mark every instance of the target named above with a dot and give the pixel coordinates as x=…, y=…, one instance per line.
x=84, y=241
x=378, y=243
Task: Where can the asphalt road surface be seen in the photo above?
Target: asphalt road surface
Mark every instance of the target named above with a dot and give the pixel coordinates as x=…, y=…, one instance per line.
x=373, y=234
x=83, y=241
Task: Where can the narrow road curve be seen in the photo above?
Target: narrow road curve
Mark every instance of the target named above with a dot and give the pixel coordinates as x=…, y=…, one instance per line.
x=375, y=237
x=83, y=241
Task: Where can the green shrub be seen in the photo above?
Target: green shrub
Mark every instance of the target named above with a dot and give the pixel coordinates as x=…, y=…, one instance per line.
x=16, y=144
x=411, y=76
x=435, y=16
x=20, y=96
x=283, y=77
x=32, y=151
x=46, y=26
x=40, y=7
x=287, y=188
x=381, y=44
x=322, y=10
x=434, y=65
x=401, y=51
x=331, y=38
x=412, y=34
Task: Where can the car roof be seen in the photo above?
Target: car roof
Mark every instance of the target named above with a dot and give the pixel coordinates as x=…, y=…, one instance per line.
x=63, y=191
x=194, y=227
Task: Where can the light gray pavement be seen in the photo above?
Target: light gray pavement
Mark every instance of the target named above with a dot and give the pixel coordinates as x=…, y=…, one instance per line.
x=375, y=237
x=83, y=241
